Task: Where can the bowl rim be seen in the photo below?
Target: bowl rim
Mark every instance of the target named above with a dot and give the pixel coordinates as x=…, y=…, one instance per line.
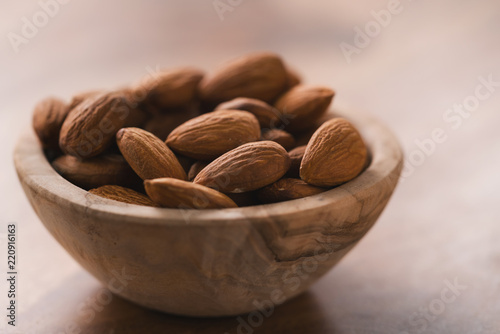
x=36, y=172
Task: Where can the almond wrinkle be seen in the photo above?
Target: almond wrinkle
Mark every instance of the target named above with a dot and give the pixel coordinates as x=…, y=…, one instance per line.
x=303, y=105
x=148, y=155
x=91, y=126
x=335, y=154
x=173, y=193
x=122, y=194
x=208, y=136
x=48, y=118
x=261, y=76
x=246, y=168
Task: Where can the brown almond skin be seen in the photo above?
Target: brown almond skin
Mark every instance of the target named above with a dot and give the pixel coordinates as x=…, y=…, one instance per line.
x=261, y=76
x=122, y=194
x=196, y=169
x=210, y=135
x=91, y=126
x=296, y=156
x=170, y=88
x=246, y=168
x=286, y=190
x=137, y=116
x=48, y=118
x=148, y=155
x=267, y=115
x=303, y=105
x=134, y=118
x=109, y=169
x=80, y=97
x=335, y=154
x=173, y=193
x=161, y=125
x=281, y=137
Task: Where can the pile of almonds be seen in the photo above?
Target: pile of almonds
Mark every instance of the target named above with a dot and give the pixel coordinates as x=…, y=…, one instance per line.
x=249, y=133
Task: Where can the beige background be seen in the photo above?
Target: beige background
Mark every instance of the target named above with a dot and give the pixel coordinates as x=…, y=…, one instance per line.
x=442, y=224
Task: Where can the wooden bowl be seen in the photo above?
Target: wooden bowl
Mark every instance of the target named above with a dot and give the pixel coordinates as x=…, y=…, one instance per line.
x=212, y=262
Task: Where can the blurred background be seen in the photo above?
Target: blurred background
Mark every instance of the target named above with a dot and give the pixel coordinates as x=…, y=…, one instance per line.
x=410, y=63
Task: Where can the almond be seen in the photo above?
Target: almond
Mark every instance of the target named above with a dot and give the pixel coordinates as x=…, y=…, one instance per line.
x=287, y=189
x=136, y=116
x=296, y=156
x=335, y=154
x=148, y=155
x=161, y=125
x=91, y=126
x=281, y=137
x=268, y=116
x=196, y=169
x=122, y=194
x=172, y=193
x=261, y=76
x=79, y=98
x=170, y=88
x=96, y=172
x=303, y=105
x=246, y=168
x=210, y=135
x=48, y=118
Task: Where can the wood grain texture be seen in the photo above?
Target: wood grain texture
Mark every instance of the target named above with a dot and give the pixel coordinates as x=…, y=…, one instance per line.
x=218, y=262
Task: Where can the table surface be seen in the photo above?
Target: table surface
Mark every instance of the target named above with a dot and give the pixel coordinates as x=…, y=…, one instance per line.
x=431, y=264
